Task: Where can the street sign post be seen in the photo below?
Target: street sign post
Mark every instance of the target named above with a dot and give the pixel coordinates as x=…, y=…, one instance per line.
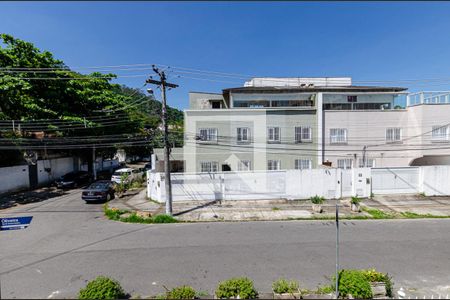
x=15, y=223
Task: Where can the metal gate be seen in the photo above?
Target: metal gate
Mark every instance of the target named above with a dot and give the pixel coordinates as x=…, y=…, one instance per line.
x=395, y=180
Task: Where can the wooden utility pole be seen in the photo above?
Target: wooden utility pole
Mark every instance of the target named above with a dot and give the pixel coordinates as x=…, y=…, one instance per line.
x=162, y=83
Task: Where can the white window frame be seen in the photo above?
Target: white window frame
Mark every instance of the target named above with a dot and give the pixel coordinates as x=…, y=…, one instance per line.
x=344, y=163
x=303, y=134
x=209, y=166
x=244, y=165
x=393, y=135
x=273, y=164
x=208, y=134
x=439, y=133
x=303, y=164
x=338, y=135
x=243, y=134
x=273, y=134
x=370, y=163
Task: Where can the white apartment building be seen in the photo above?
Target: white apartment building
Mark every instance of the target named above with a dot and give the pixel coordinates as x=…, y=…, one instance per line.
x=303, y=123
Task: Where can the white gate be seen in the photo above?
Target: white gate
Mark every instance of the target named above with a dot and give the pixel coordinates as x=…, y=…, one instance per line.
x=396, y=180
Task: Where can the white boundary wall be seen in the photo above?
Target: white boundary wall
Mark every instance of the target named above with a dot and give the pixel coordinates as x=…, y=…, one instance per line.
x=14, y=178
x=57, y=166
x=302, y=184
x=258, y=185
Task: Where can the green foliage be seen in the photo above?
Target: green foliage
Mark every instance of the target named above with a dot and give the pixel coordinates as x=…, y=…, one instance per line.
x=113, y=214
x=164, y=219
x=134, y=218
x=355, y=200
x=354, y=283
x=68, y=96
x=317, y=199
x=378, y=214
x=326, y=289
x=102, y=288
x=282, y=286
x=181, y=292
x=118, y=215
x=374, y=276
x=234, y=287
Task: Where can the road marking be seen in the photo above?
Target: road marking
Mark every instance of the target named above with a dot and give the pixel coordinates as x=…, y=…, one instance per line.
x=53, y=294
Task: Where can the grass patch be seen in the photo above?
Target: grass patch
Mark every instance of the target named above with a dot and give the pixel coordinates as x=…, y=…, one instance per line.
x=411, y=215
x=378, y=214
x=275, y=208
x=129, y=217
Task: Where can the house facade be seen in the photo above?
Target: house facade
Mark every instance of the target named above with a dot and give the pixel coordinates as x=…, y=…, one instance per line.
x=304, y=123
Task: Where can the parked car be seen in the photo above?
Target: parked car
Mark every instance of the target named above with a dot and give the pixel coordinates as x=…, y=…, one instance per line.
x=101, y=190
x=117, y=175
x=73, y=179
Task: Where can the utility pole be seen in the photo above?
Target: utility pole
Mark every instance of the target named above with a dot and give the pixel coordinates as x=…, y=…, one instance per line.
x=364, y=156
x=337, y=248
x=162, y=83
x=94, y=171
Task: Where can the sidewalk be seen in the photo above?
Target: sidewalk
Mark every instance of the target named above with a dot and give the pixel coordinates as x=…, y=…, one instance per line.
x=252, y=210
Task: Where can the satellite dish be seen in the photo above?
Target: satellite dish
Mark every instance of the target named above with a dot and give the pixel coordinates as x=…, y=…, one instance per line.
x=30, y=156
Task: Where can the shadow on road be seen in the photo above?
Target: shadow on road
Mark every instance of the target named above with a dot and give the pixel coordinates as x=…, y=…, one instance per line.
x=14, y=199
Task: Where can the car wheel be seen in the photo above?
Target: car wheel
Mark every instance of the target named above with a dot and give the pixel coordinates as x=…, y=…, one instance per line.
x=75, y=185
x=108, y=197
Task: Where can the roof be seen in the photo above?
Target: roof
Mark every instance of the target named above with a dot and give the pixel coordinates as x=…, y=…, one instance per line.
x=276, y=89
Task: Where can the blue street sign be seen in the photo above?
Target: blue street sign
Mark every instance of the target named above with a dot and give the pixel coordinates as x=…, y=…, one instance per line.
x=15, y=223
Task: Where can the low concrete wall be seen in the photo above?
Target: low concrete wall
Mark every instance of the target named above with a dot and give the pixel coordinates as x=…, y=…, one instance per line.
x=258, y=185
x=14, y=178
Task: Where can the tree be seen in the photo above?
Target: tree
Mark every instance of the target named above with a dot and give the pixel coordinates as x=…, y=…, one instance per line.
x=36, y=86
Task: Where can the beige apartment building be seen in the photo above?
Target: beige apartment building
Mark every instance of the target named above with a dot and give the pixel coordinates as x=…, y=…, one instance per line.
x=304, y=123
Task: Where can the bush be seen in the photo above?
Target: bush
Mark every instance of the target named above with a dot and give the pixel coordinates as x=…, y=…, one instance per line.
x=164, y=219
x=317, y=199
x=282, y=286
x=181, y=292
x=374, y=276
x=102, y=288
x=234, y=287
x=355, y=283
x=355, y=200
x=113, y=213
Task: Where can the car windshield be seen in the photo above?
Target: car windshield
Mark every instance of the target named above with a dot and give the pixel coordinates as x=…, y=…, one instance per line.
x=68, y=176
x=98, y=185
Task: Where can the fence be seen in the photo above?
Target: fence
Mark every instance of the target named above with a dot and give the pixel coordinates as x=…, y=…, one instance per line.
x=301, y=184
x=256, y=185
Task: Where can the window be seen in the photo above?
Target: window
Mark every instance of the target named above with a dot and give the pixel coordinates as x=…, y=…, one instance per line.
x=273, y=134
x=208, y=134
x=439, y=133
x=244, y=165
x=209, y=166
x=303, y=134
x=370, y=163
x=243, y=134
x=302, y=164
x=352, y=98
x=345, y=163
x=338, y=136
x=393, y=135
x=273, y=165
x=216, y=104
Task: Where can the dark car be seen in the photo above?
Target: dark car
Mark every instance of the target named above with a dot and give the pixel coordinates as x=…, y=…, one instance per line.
x=101, y=190
x=73, y=179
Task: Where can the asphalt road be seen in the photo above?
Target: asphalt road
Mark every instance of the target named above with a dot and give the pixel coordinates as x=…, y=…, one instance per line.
x=70, y=242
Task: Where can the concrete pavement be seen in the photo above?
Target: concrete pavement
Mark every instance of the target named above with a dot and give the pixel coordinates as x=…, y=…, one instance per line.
x=280, y=209
x=70, y=242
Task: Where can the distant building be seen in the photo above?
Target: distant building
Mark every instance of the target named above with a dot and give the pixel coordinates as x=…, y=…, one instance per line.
x=303, y=123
